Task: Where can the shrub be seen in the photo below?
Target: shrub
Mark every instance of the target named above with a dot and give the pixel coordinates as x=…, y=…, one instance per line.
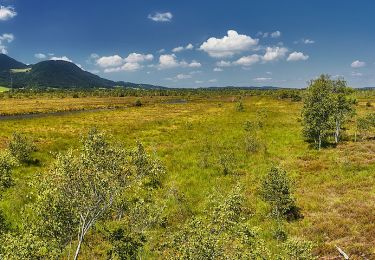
x=277, y=192
x=222, y=233
x=368, y=104
x=20, y=147
x=298, y=249
x=6, y=164
x=138, y=103
x=240, y=107
x=226, y=163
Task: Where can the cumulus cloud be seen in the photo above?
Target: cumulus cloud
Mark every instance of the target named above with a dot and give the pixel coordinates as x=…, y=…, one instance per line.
x=169, y=61
x=358, y=64
x=5, y=38
x=178, y=49
x=160, y=17
x=7, y=12
x=296, y=56
x=232, y=43
x=115, y=63
x=262, y=79
x=217, y=69
x=248, y=60
x=223, y=63
x=137, y=57
x=276, y=34
x=182, y=48
x=40, y=56
x=63, y=58
x=305, y=41
x=212, y=80
x=194, y=64
x=109, y=61
x=183, y=76
x=274, y=53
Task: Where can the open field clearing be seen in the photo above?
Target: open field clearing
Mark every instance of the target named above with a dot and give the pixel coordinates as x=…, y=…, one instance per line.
x=334, y=187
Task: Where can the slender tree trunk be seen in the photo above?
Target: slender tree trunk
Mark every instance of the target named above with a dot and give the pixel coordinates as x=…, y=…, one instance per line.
x=319, y=142
x=337, y=132
x=78, y=247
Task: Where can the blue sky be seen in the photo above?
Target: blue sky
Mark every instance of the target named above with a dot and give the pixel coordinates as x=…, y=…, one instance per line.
x=197, y=43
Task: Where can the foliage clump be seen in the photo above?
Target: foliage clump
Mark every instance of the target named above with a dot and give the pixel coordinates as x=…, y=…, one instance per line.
x=21, y=148
x=222, y=233
x=276, y=190
x=327, y=106
x=83, y=187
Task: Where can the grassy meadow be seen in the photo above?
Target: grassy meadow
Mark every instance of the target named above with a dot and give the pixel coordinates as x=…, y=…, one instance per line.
x=3, y=89
x=334, y=187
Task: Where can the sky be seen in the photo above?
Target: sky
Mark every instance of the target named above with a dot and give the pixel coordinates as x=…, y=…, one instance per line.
x=198, y=43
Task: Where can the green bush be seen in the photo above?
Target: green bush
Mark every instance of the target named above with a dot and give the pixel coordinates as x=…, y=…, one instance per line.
x=6, y=164
x=20, y=147
x=298, y=249
x=277, y=192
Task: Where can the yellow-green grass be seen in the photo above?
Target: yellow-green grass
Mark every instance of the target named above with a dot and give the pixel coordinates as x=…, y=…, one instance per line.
x=3, y=89
x=20, y=70
x=334, y=187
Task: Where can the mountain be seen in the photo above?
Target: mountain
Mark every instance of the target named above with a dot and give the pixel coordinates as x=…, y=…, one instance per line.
x=54, y=74
x=7, y=63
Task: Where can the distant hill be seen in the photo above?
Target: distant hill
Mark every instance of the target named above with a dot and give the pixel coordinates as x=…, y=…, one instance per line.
x=54, y=74
x=7, y=63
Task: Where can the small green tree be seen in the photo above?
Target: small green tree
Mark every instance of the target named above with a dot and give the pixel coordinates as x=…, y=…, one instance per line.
x=317, y=110
x=6, y=164
x=277, y=192
x=83, y=187
x=20, y=147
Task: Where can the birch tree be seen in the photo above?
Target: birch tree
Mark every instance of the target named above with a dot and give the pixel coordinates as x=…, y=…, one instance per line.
x=317, y=110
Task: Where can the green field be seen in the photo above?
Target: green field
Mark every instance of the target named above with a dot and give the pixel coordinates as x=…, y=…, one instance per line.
x=334, y=187
x=3, y=89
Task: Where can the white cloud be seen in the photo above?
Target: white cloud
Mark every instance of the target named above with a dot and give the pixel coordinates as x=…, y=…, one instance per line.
x=189, y=46
x=194, y=64
x=181, y=48
x=223, y=63
x=304, y=41
x=212, y=80
x=7, y=12
x=308, y=41
x=116, y=63
x=358, y=64
x=217, y=69
x=40, y=56
x=63, y=58
x=183, y=76
x=161, y=17
x=357, y=74
x=3, y=49
x=229, y=45
x=262, y=79
x=247, y=60
x=6, y=37
x=137, y=57
x=274, y=53
x=161, y=51
x=109, y=61
x=178, y=49
x=276, y=34
x=296, y=56
x=198, y=81
x=94, y=56
x=169, y=61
